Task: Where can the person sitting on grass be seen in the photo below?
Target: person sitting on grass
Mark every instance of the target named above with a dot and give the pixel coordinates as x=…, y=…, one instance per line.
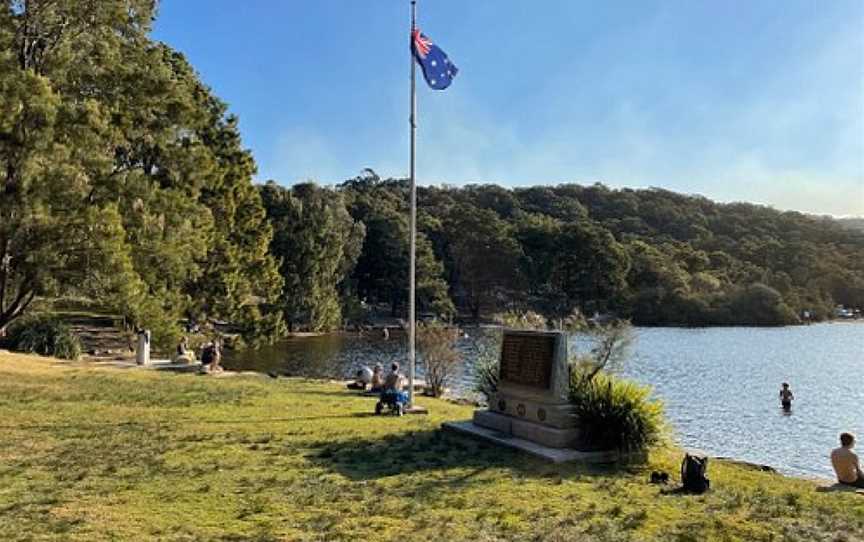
x=392, y=393
x=362, y=379
x=845, y=462
x=393, y=382
x=378, y=378
x=211, y=357
x=184, y=353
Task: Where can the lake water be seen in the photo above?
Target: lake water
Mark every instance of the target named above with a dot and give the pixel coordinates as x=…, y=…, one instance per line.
x=719, y=385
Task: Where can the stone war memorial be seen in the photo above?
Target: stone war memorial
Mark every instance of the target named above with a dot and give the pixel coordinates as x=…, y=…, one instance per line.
x=530, y=410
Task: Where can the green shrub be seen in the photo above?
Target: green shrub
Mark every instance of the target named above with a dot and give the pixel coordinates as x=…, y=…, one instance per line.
x=615, y=413
x=46, y=336
x=486, y=375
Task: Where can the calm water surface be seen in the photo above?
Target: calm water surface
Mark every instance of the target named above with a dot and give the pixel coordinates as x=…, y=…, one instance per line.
x=719, y=385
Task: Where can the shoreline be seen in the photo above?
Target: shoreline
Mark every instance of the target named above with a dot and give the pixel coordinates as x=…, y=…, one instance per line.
x=396, y=329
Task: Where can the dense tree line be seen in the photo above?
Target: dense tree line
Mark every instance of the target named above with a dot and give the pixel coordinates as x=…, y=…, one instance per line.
x=657, y=257
x=317, y=244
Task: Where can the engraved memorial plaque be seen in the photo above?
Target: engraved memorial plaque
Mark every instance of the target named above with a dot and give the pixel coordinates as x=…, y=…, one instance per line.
x=531, y=402
x=526, y=359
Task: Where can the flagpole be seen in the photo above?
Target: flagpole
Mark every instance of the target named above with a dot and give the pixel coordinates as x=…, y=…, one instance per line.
x=413, y=220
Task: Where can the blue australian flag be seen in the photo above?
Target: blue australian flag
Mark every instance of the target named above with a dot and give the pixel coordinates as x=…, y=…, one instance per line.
x=437, y=68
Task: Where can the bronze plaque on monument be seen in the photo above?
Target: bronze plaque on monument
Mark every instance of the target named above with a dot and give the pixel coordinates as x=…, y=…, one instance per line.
x=526, y=359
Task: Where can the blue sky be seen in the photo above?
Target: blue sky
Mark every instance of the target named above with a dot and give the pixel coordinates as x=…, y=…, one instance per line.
x=754, y=100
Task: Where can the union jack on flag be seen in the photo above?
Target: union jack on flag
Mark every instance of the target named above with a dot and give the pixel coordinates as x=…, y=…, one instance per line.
x=437, y=68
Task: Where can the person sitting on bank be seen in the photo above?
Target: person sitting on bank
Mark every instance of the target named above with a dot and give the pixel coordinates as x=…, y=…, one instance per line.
x=786, y=396
x=845, y=462
x=184, y=353
x=363, y=378
x=377, y=383
x=211, y=358
x=216, y=364
x=392, y=393
x=393, y=382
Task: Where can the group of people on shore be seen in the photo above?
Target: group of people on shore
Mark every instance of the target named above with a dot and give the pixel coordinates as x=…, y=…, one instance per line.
x=211, y=355
x=845, y=462
x=374, y=380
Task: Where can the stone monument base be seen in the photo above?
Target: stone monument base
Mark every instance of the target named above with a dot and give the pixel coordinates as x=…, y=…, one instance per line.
x=530, y=408
x=544, y=435
x=555, y=455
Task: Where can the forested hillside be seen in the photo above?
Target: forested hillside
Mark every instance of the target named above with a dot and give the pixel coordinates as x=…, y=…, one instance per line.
x=655, y=256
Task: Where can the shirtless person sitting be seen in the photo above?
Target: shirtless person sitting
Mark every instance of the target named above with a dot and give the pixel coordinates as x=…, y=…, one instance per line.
x=845, y=462
x=392, y=393
x=377, y=378
x=393, y=381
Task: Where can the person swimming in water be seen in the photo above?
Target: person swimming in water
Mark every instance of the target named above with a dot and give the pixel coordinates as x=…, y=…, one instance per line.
x=786, y=397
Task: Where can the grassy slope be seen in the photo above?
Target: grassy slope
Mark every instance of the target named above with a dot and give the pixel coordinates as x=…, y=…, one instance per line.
x=93, y=454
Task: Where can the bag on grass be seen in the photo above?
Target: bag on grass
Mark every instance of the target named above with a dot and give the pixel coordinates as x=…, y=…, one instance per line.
x=694, y=471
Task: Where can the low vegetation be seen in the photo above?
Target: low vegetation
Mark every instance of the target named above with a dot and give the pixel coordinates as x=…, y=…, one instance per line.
x=89, y=454
x=44, y=335
x=486, y=373
x=436, y=343
x=615, y=413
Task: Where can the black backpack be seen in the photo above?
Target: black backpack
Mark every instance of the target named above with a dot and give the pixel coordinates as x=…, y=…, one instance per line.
x=694, y=470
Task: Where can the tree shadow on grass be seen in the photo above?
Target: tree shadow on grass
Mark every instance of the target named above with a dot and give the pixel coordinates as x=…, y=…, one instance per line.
x=439, y=450
x=337, y=394
x=672, y=490
x=843, y=488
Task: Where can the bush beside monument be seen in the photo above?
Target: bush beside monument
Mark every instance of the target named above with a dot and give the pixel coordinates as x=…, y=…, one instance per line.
x=546, y=406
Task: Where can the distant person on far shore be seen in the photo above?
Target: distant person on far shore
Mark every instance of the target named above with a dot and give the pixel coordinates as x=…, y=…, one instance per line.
x=845, y=462
x=786, y=397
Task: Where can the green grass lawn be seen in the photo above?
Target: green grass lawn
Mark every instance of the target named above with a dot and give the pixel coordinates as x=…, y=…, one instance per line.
x=111, y=454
